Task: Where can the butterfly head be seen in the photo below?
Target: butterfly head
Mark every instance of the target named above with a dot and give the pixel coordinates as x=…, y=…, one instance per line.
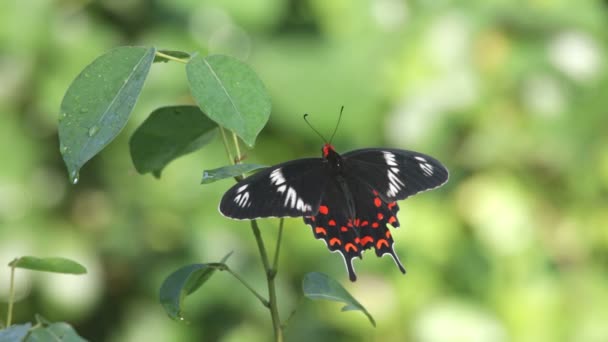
x=327, y=149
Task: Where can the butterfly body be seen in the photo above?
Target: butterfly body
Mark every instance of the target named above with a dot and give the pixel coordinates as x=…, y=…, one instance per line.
x=348, y=200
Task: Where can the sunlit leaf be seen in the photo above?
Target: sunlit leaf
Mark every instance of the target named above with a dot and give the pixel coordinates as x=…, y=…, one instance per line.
x=172, y=53
x=230, y=93
x=15, y=332
x=168, y=133
x=183, y=282
x=54, y=332
x=97, y=104
x=320, y=286
x=210, y=176
x=56, y=265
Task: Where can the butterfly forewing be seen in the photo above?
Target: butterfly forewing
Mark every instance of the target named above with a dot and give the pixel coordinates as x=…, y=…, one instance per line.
x=395, y=174
x=290, y=189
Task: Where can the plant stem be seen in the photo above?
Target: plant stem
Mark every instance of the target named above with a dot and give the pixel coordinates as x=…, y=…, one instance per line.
x=223, y=267
x=270, y=272
x=160, y=54
x=226, y=145
x=11, y=298
x=275, y=263
x=270, y=275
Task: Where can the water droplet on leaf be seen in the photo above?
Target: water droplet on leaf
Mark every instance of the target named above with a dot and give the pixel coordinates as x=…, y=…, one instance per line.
x=93, y=130
x=74, y=177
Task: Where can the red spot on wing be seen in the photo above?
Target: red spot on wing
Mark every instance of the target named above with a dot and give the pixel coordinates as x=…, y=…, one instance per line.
x=380, y=216
x=331, y=223
x=392, y=219
x=380, y=243
x=357, y=240
x=320, y=230
x=312, y=218
x=377, y=202
x=375, y=225
x=344, y=229
x=387, y=234
x=323, y=209
x=364, y=223
x=391, y=205
x=334, y=241
x=366, y=239
x=350, y=246
x=357, y=222
x=375, y=192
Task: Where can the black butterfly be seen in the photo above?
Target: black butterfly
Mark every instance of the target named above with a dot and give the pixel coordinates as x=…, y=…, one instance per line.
x=348, y=199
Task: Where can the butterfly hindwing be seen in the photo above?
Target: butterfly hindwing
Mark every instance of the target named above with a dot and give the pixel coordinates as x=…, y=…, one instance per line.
x=395, y=174
x=289, y=189
x=353, y=218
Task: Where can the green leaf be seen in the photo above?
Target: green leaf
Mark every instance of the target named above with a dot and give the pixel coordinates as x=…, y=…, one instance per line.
x=172, y=53
x=168, y=133
x=97, y=104
x=57, y=265
x=182, y=283
x=210, y=176
x=320, y=286
x=15, y=332
x=230, y=93
x=54, y=332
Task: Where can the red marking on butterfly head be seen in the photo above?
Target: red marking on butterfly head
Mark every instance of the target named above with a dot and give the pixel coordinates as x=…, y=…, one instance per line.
x=326, y=149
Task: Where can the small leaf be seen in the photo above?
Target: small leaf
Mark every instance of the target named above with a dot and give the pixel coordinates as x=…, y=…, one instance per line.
x=97, y=104
x=15, y=332
x=230, y=93
x=168, y=133
x=210, y=176
x=182, y=283
x=172, y=53
x=56, y=265
x=320, y=286
x=54, y=332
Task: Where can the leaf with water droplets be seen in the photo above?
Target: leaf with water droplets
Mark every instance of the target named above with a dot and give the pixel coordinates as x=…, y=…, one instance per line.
x=98, y=103
x=168, y=133
x=230, y=93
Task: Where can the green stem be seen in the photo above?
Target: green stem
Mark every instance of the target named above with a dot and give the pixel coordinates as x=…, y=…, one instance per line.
x=226, y=145
x=275, y=263
x=169, y=57
x=236, y=145
x=224, y=267
x=11, y=298
x=270, y=272
x=270, y=275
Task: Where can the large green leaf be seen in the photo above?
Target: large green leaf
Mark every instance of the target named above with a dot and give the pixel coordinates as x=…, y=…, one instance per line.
x=54, y=332
x=97, y=104
x=168, y=133
x=15, y=332
x=320, y=286
x=182, y=283
x=210, y=176
x=230, y=93
x=57, y=265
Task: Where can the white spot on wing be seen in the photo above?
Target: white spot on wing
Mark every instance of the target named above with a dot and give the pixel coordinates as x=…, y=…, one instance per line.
x=394, y=182
x=390, y=159
x=240, y=189
x=276, y=177
x=291, y=197
x=282, y=188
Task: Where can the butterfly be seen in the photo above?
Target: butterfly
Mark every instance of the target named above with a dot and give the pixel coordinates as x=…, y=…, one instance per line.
x=347, y=199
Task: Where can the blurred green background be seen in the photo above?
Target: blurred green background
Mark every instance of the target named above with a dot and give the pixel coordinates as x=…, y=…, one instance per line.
x=510, y=95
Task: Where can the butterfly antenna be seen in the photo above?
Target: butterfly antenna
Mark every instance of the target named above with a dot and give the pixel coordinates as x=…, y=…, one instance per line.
x=337, y=124
x=319, y=134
